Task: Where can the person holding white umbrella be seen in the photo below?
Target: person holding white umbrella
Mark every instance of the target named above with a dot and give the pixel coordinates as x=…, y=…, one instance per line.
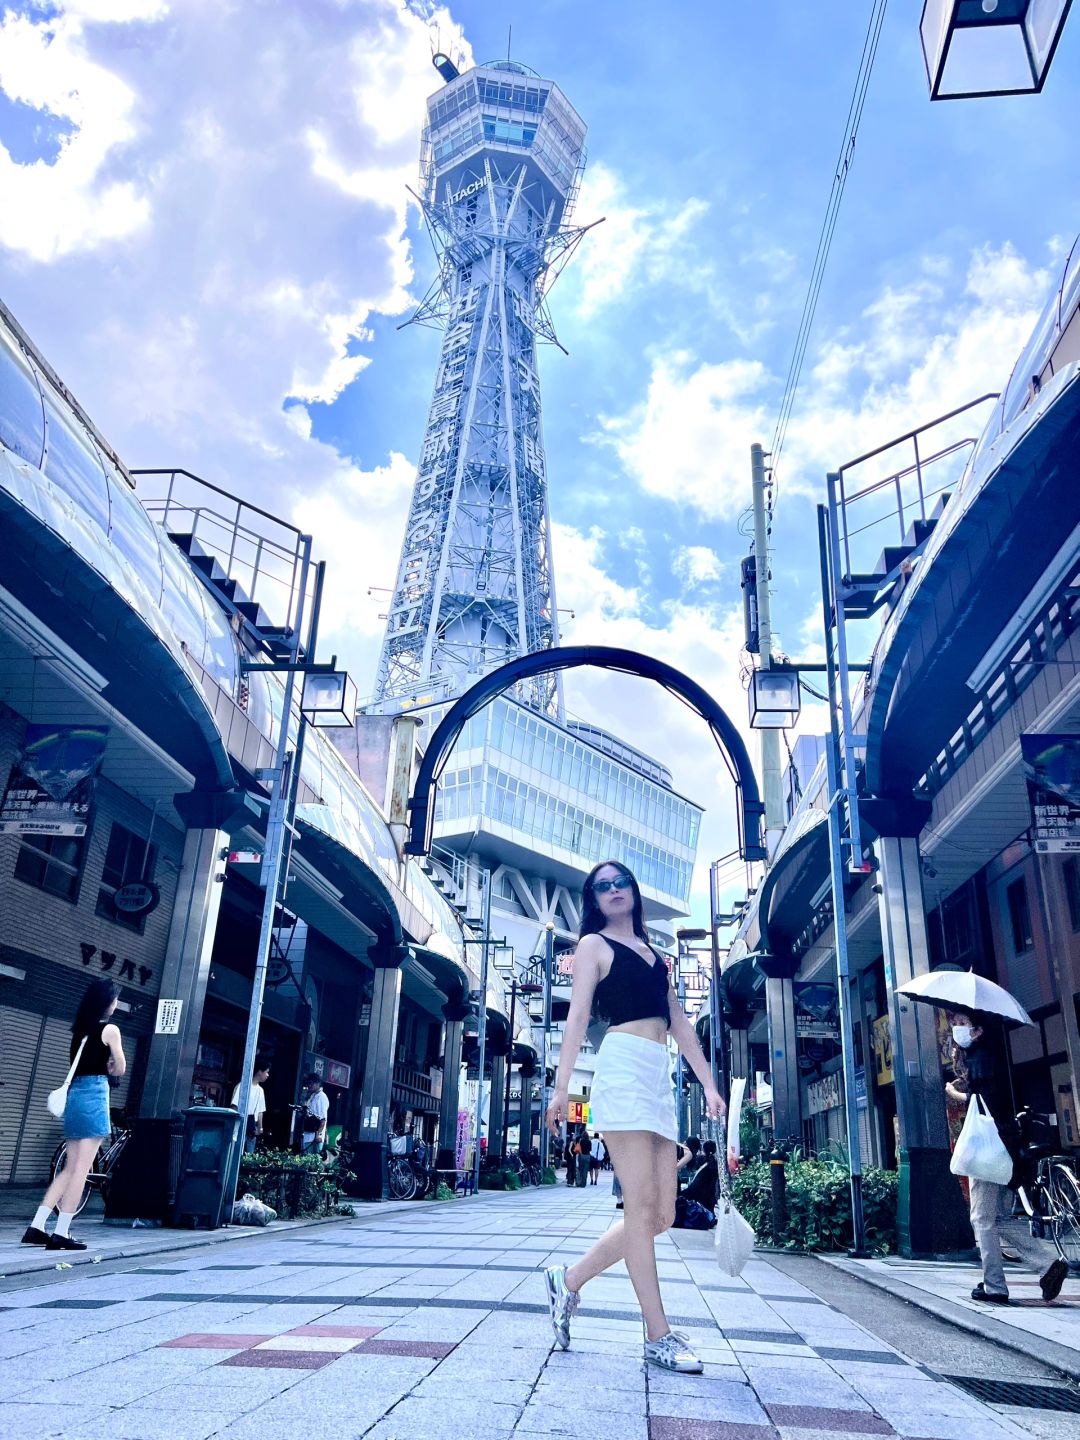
x=976, y=1008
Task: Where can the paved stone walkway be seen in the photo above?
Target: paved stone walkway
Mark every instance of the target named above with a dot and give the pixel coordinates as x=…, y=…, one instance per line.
x=431, y=1322
x=1028, y=1316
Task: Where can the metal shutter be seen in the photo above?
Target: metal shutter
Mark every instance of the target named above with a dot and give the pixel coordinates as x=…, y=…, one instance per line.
x=42, y=1132
x=20, y=1033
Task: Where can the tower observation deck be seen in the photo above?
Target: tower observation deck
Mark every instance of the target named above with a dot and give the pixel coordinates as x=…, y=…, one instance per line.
x=501, y=158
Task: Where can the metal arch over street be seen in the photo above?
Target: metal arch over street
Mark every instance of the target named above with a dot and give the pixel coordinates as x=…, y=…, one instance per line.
x=602, y=657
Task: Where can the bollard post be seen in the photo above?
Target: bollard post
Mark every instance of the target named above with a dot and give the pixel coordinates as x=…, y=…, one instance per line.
x=778, y=1176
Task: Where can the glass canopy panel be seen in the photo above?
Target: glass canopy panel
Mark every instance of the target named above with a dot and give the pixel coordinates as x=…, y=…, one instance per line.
x=74, y=466
x=22, y=418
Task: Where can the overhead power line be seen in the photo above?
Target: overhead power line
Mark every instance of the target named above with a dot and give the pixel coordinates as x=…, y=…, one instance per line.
x=828, y=226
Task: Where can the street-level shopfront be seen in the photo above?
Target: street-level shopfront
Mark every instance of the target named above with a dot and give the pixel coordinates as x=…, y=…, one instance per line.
x=111, y=637
x=971, y=718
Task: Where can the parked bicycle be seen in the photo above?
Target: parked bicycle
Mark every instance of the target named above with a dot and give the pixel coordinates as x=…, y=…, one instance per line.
x=104, y=1164
x=1050, y=1192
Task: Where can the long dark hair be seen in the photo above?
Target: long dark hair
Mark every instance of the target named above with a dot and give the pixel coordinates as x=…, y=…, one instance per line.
x=593, y=918
x=99, y=995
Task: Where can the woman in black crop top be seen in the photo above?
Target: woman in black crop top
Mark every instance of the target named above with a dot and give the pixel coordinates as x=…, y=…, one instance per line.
x=96, y=1043
x=620, y=975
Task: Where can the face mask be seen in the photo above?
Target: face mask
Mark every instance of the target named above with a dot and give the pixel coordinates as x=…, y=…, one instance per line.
x=963, y=1036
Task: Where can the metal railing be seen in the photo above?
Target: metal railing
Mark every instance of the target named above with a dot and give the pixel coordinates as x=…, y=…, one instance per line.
x=261, y=552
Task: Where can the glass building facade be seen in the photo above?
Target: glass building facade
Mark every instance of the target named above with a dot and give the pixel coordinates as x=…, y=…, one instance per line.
x=514, y=768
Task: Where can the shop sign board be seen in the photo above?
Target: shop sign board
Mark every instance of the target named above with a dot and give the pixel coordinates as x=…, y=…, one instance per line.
x=817, y=1016
x=330, y=1072
x=577, y=1112
x=883, y=1054
x=168, y=1017
x=51, y=785
x=137, y=897
x=1052, y=771
x=823, y=1094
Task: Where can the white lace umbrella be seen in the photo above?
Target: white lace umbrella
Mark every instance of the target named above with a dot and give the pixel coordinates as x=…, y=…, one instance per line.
x=965, y=991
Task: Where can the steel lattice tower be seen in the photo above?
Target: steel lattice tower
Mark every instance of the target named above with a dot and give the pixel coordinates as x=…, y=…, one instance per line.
x=501, y=158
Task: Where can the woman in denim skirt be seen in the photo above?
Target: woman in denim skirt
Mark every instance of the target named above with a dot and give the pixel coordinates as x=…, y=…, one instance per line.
x=86, y=1114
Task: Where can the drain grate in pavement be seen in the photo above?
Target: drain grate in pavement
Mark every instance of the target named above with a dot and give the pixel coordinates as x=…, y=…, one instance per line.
x=1012, y=1392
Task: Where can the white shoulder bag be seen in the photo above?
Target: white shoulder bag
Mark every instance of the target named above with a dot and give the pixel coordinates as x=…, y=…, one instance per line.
x=56, y=1099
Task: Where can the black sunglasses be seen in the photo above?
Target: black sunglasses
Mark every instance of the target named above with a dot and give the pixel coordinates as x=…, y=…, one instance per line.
x=601, y=887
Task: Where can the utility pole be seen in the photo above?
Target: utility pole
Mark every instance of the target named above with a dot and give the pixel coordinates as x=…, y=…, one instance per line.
x=549, y=951
x=485, y=947
x=773, y=793
x=779, y=987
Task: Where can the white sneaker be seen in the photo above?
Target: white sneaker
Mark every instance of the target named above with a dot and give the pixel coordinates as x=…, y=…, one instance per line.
x=562, y=1303
x=672, y=1352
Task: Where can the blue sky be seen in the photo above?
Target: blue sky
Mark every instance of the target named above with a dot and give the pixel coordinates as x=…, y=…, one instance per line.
x=206, y=229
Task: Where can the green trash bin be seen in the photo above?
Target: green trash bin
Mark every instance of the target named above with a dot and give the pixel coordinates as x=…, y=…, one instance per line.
x=211, y=1135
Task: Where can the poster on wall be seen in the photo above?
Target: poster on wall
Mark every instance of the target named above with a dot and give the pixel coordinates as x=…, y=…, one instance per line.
x=51, y=785
x=817, y=1016
x=1052, y=771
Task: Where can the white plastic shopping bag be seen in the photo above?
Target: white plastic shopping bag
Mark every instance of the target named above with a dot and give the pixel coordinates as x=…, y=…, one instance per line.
x=979, y=1153
x=733, y=1238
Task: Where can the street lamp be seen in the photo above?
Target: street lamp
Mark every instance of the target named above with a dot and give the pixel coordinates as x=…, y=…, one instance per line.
x=517, y=987
x=685, y=938
x=328, y=699
x=775, y=697
x=976, y=48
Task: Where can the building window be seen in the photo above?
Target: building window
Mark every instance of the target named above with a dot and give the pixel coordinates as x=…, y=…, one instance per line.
x=1071, y=871
x=1019, y=916
x=52, y=863
x=127, y=858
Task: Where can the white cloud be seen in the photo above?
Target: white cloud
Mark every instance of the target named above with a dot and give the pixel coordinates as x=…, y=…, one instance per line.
x=637, y=243
x=697, y=565
x=222, y=224
x=74, y=203
x=921, y=349
x=689, y=440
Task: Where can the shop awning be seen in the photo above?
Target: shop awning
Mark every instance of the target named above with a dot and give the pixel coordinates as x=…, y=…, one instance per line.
x=791, y=888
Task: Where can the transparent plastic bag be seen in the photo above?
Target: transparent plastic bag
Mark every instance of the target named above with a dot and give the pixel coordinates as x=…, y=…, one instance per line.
x=979, y=1152
x=734, y=1237
x=250, y=1210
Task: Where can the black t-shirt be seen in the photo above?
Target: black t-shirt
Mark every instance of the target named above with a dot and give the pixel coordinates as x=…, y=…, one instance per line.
x=986, y=1078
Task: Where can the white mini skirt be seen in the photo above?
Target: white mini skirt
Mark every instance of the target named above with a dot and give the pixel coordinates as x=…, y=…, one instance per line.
x=632, y=1087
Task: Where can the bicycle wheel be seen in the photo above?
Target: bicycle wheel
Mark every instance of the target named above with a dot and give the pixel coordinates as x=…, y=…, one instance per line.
x=1065, y=1217
x=402, y=1179
x=59, y=1165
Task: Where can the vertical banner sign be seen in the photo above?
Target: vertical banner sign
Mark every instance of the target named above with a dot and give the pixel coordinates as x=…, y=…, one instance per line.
x=51, y=785
x=1052, y=771
x=461, y=1139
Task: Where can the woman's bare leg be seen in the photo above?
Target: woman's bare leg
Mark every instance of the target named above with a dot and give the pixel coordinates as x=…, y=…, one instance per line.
x=65, y=1192
x=645, y=1165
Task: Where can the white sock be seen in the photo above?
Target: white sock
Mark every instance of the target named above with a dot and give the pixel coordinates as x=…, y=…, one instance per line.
x=63, y=1223
x=41, y=1214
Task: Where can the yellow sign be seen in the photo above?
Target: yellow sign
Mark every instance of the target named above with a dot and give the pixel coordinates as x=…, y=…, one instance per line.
x=883, y=1056
x=578, y=1112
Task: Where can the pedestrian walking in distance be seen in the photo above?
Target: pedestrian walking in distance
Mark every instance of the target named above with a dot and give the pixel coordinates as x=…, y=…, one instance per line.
x=253, y=1126
x=583, y=1155
x=316, y=1114
x=977, y=1071
x=596, y=1159
x=617, y=972
x=96, y=1041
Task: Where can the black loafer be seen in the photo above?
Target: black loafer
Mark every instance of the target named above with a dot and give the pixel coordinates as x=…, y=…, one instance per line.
x=64, y=1242
x=34, y=1236
x=981, y=1293
x=1051, y=1281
